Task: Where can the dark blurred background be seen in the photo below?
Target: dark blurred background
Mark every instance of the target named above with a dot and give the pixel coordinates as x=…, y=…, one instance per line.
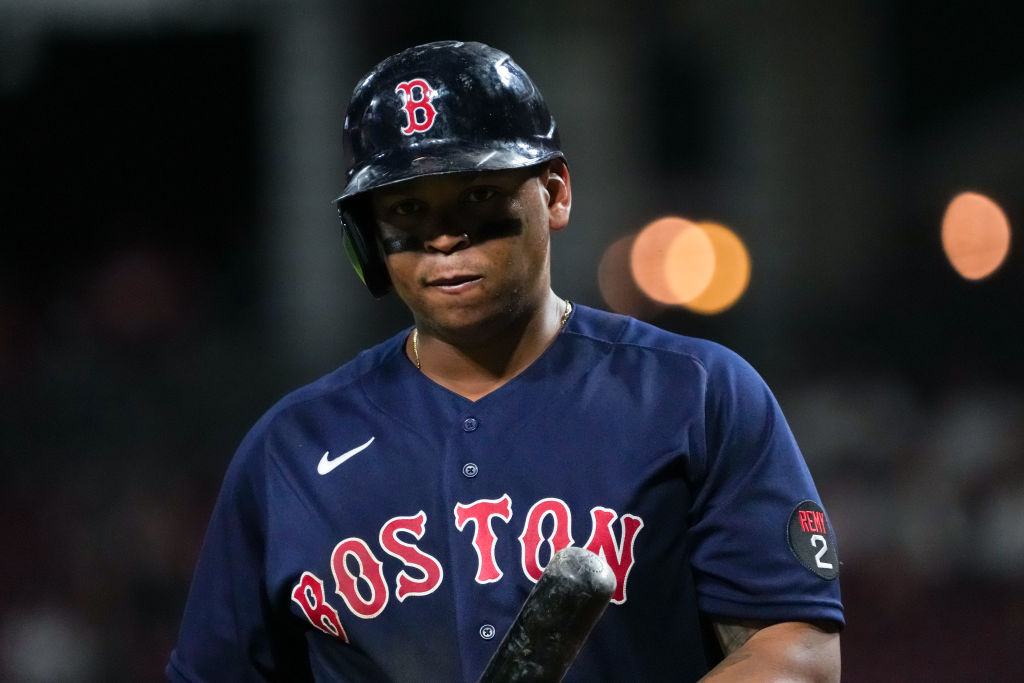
x=171, y=266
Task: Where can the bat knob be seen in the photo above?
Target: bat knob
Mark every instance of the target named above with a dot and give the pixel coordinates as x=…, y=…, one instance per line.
x=584, y=570
x=555, y=620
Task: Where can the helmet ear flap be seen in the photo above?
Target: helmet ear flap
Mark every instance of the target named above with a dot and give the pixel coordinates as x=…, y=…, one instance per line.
x=361, y=246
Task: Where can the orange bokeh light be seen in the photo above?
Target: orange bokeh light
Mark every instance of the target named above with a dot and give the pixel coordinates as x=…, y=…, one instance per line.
x=702, y=266
x=732, y=271
x=649, y=255
x=689, y=264
x=975, y=235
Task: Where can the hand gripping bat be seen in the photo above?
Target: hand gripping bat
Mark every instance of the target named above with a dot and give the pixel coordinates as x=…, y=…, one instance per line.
x=555, y=619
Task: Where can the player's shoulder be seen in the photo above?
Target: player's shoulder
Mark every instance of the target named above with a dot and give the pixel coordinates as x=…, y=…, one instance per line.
x=624, y=334
x=337, y=386
x=329, y=401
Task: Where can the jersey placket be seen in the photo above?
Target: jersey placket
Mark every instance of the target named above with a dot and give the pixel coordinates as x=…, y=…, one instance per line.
x=482, y=512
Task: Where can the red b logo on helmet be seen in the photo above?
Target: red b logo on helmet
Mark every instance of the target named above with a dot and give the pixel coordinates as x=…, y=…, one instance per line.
x=416, y=96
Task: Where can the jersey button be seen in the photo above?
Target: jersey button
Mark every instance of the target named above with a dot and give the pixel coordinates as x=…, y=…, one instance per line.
x=470, y=424
x=487, y=632
x=470, y=470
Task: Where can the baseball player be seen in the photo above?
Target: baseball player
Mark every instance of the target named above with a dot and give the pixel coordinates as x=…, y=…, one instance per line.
x=387, y=521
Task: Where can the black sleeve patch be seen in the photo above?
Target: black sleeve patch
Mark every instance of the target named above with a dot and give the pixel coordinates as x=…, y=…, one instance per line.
x=812, y=541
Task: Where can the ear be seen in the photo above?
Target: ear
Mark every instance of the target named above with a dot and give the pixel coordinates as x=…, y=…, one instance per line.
x=559, y=190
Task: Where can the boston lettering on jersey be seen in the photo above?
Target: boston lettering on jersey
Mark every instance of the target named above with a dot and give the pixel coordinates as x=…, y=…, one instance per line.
x=366, y=592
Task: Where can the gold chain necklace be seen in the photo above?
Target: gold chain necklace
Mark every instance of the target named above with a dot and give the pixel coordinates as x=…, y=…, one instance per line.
x=416, y=334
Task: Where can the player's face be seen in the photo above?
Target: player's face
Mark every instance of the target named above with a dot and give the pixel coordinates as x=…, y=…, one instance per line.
x=468, y=249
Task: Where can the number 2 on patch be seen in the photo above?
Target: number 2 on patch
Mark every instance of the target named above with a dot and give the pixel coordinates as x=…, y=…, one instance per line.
x=815, y=540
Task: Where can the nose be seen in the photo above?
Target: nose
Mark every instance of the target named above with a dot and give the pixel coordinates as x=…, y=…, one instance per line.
x=446, y=243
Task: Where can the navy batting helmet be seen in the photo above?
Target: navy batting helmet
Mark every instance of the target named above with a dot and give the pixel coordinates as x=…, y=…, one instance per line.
x=444, y=107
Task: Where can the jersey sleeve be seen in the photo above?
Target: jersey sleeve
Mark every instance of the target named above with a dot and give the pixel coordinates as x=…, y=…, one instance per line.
x=229, y=631
x=763, y=547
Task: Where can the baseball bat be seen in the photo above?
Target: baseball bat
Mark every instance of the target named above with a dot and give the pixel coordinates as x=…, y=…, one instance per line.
x=554, y=621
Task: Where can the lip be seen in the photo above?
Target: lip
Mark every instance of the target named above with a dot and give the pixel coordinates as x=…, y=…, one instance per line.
x=455, y=282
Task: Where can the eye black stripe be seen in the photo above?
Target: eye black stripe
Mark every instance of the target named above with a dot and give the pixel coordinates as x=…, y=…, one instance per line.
x=490, y=230
x=506, y=227
x=396, y=245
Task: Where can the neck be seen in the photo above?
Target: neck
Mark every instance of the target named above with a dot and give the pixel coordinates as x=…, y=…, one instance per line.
x=477, y=367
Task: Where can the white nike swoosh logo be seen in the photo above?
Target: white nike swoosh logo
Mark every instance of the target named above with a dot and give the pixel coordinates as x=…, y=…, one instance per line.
x=327, y=465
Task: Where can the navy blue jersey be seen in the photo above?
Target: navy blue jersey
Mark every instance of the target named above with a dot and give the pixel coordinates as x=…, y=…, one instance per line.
x=377, y=526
